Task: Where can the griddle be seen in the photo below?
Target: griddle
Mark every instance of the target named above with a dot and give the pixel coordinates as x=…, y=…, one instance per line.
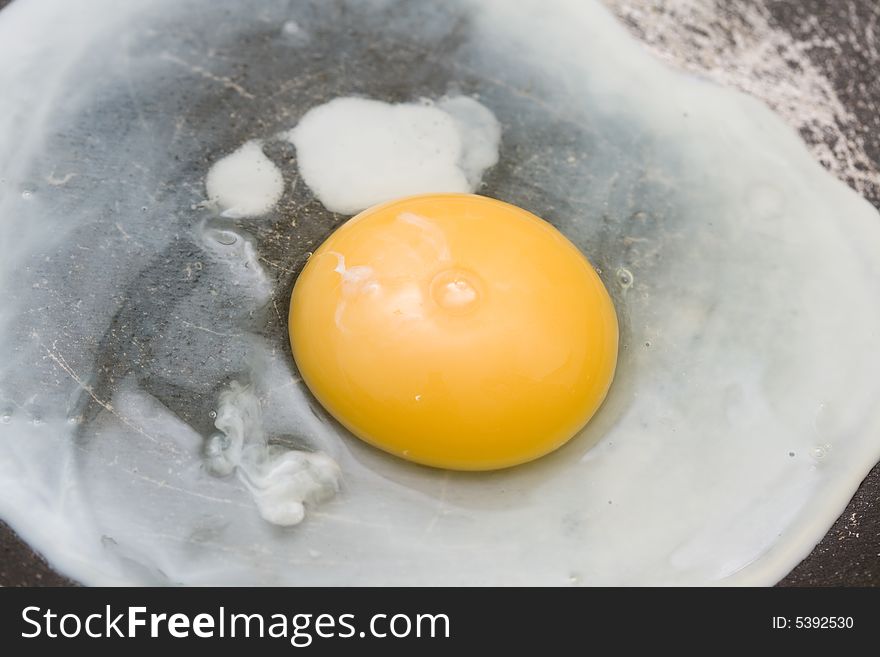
x=849, y=554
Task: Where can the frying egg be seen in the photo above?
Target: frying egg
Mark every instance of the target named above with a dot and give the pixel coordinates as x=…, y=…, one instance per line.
x=153, y=426
x=455, y=331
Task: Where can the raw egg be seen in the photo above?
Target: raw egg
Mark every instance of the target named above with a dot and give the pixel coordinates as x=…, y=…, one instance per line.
x=153, y=430
x=454, y=330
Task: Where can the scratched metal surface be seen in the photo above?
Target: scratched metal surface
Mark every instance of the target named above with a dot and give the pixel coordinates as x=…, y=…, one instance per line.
x=850, y=553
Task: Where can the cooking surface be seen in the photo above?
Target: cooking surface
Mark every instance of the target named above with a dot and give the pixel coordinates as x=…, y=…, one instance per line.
x=849, y=553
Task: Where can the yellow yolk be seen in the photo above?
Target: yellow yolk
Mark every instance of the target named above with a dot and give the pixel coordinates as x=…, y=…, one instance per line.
x=455, y=331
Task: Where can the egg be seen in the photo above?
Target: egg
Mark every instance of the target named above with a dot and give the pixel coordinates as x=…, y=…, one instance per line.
x=455, y=331
x=158, y=208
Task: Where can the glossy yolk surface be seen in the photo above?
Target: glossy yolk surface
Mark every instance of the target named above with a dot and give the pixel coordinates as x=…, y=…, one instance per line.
x=455, y=331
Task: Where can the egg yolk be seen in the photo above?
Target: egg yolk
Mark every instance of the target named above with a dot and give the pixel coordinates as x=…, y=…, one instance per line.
x=455, y=331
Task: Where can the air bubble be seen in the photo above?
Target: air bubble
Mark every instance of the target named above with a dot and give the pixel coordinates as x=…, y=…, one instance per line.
x=225, y=237
x=212, y=414
x=624, y=277
x=27, y=194
x=5, y=418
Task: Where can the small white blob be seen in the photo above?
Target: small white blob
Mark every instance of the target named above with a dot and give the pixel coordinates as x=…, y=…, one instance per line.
x=245, y=183
x=356, y=152
x=281, y=481
x=294, y=34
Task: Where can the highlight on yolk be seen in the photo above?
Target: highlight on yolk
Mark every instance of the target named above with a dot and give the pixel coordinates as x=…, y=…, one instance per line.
x=455, y=331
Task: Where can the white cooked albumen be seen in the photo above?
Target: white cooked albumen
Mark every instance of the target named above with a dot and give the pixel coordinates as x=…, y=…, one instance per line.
x=743, y=415
x=357, y=152
x=244, y=183
x=282, y=481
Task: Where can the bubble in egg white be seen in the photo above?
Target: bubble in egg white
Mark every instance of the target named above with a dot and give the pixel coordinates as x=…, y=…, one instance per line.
x=743, y=414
